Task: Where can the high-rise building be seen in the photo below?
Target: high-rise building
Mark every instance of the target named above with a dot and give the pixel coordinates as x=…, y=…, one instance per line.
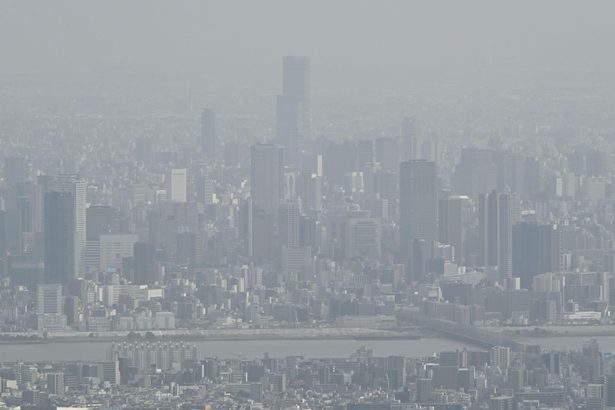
x=309, y=190
x=499, y=356
x=609, y=391
x=178, y=185
x=55, y=383
x=101, y=220
x=418, y=203
x=293, y=111
x=49, y=299
x=145, y=269
x=424, y=390
x=536, y=249
x=484, y=170
x=288, y=223
x=452, y=218
x=497, y=215
x=209, y=136
x=362, y=237
x=113, y=248
x=60, y=237
x=267, y=161
x=73, y=184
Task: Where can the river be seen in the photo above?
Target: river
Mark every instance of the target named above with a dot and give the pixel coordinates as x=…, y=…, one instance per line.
x=249, y=349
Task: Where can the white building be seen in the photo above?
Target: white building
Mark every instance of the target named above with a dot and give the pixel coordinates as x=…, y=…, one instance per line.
x=178, y=185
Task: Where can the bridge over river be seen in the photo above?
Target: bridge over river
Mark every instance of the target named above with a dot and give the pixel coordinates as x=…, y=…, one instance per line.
x=466, y=333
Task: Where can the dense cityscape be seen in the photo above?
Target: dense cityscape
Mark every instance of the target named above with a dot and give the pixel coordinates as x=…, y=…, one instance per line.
x=171, y=246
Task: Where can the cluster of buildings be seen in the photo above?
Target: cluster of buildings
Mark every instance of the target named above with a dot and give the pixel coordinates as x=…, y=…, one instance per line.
x=173, y=375
x=301, y=229
x=120, y=224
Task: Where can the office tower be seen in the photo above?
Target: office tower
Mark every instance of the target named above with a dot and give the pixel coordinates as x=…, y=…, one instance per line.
x=293, y=107
x=424, y=390
x=452, y=219
x=28, y=202
x=178, y=183
x=484, y=170
x=609, y=391
x=476, y=172
x=60, y=237
x=288, y=224
x=289, y=185
x=72, y=306
x=418, y=203
x=536, y=249
x=209, y=137
x=49, y=299
x=246, y=225
x=266, y=177
x=55, y=383
x=362, y=237
x=101, y=220
x=145, y=269
x=365, y=153
x=113, y=248
x=533, y=178
x=73, y=184
x=309, y=190
x=497, y=215
x=262, y=240
x=499, y=356
x=11, y=233
x=206, y=189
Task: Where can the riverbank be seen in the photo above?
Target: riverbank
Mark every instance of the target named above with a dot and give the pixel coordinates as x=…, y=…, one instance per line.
x=586, y=331
x=213, y=335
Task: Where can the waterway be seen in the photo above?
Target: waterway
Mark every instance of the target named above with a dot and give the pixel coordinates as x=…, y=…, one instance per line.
x=249, y=349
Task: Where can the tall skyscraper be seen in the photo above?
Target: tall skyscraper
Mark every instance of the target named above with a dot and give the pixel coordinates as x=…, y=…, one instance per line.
x=497, y=215
x=266, y=179
x=452, y=220
x=73, y=184
x=288, y=224
x=309, y=189
x=293, y=111
x=537, y=248
x=209, y=136
x=145, y=269
x=178, y=185
x=266, y=182
x=418, y=203
x=60, y=237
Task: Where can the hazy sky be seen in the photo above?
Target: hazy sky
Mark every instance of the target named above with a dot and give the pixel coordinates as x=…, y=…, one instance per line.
x=358, y=39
